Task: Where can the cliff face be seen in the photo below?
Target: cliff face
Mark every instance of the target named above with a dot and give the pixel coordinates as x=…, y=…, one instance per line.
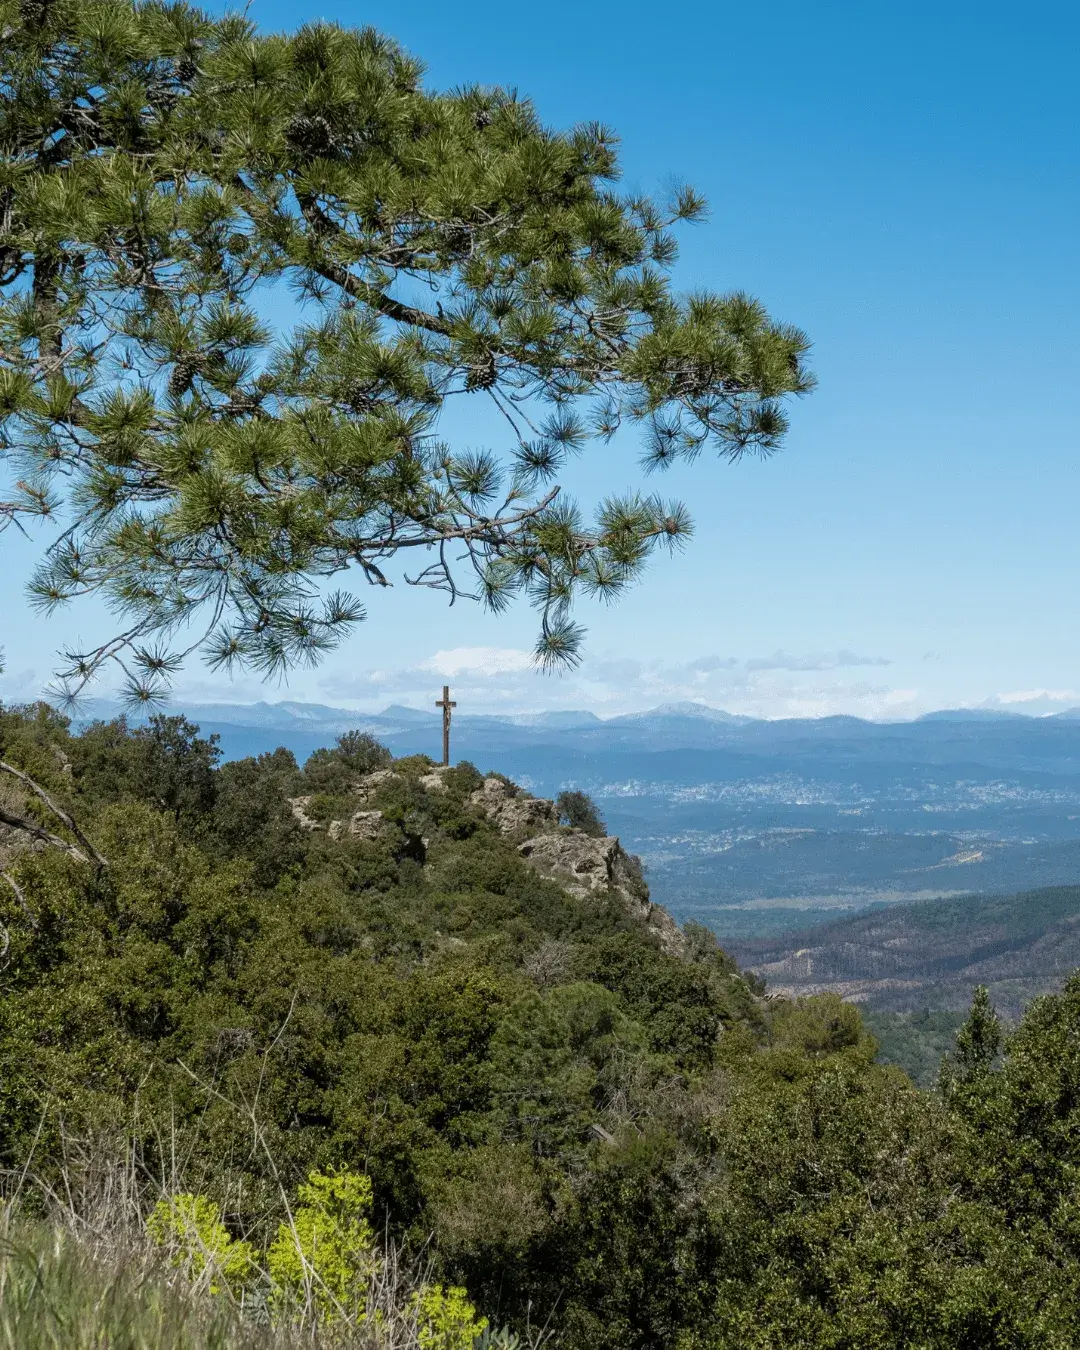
x=584, y=865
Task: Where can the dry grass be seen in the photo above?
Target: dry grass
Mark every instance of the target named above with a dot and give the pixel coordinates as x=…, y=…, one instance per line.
x=78, y=1271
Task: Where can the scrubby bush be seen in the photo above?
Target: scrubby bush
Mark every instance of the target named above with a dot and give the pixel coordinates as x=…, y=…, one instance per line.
x=579, y=810
x=324, y=1251
x=336, y=771
x=189, y=1228
x=445, y=1319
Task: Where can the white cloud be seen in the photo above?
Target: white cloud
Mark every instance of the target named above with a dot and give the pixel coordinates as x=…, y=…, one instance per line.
x=477, y=660
x=825, y=661
x=504, y=680
x=1038, y=696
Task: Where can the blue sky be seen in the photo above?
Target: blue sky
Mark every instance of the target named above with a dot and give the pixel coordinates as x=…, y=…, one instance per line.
x=901, y=180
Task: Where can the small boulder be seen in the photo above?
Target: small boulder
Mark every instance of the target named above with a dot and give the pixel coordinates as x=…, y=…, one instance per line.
x=371, y=782
x=366, y=824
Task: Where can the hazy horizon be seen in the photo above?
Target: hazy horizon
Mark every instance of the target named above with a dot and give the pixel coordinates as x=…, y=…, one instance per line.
x=94, y=703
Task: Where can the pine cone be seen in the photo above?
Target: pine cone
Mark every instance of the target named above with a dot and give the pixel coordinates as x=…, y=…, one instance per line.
x=34, y=12
x=184, y=372
x=311, y=134
x=483, y=372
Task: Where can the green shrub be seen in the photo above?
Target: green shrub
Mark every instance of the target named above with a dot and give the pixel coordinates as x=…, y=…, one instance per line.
x=446, y=1320
x=362, y=753
x=579, y=810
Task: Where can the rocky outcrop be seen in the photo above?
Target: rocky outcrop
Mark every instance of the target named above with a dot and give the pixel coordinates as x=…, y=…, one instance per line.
x=583, y=864
x=371, y=782
x=513, y=811
x=361, y=825
x=299, y=809
x=586, y=865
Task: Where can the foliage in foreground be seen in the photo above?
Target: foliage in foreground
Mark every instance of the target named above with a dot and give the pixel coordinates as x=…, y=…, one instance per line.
x=66, y=1289
x=625, y=1146
x=57, y=1293
x=322, y=1270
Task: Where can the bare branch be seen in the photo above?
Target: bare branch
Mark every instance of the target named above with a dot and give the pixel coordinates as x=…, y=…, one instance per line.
x=58, y=811
x=20, y=895
x=37, y=832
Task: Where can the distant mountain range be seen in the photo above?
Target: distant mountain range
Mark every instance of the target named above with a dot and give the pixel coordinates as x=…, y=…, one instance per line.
x=757, y=827
x=996, y=738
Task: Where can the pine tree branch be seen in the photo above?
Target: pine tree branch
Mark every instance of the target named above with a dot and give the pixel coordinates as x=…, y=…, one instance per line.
x=340, y=275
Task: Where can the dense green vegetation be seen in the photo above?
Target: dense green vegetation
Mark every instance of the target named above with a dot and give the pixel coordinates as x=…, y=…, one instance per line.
x=917, y=1042
x=624, y=1143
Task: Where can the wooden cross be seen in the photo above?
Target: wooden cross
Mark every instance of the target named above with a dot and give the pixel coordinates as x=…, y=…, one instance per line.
x=445, y=705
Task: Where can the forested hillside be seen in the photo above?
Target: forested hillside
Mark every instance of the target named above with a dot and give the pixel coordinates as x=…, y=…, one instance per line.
x=908, y=957
x=420, y=980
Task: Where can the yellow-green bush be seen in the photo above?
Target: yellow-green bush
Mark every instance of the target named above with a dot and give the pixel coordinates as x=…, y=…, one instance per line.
x=190, y=1228
x=326, y=1251
x=445, y=1319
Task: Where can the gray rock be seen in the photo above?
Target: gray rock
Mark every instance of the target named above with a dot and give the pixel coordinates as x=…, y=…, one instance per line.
x=583, y=863
x=366, y=824
x=586, y=865
x=362, y=825
x=512, y=811
x=299, y=809
x=371, y=782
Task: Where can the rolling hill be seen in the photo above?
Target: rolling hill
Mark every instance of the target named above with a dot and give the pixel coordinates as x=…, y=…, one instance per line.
x=930, y=955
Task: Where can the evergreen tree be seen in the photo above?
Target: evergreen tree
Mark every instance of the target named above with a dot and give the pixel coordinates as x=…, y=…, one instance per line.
x=978, y=1044
x=579, y=809
x=168, y=179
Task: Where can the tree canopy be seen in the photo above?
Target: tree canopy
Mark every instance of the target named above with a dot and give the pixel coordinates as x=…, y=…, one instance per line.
x=241, y=277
